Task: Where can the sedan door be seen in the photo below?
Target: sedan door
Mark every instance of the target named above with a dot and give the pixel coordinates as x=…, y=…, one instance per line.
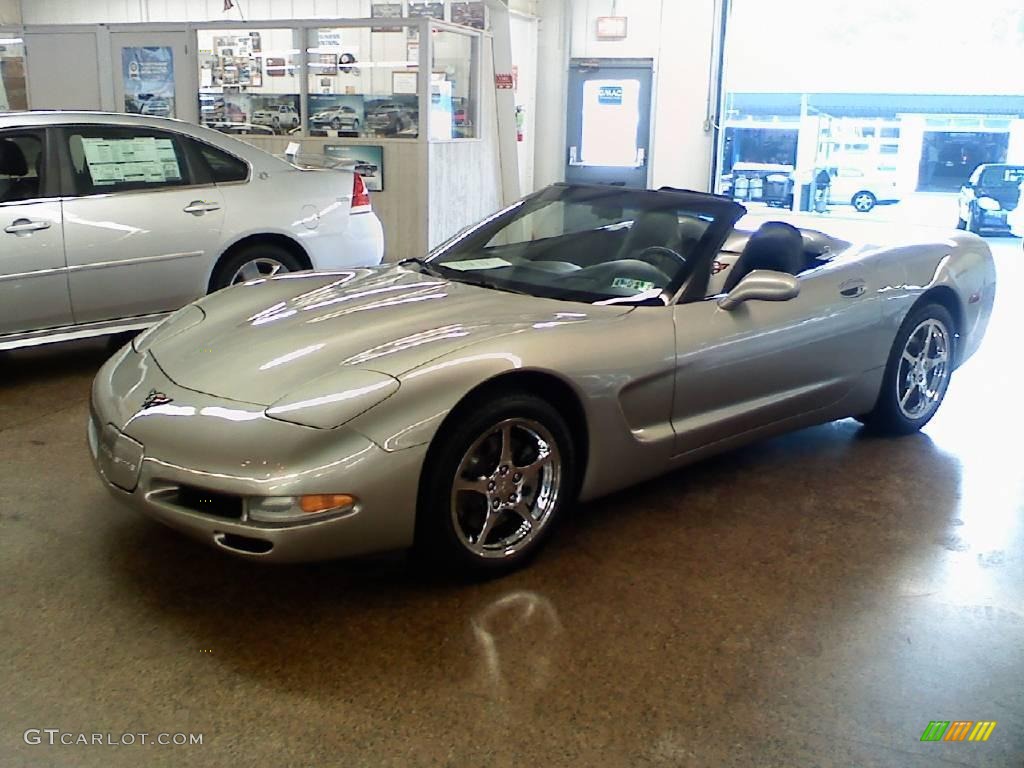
x=143, y=225
x=763, y=362
x=33, y=275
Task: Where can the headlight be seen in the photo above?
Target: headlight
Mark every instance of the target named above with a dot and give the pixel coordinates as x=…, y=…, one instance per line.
x=287, y=509
x=988, y=204
x=182, y=320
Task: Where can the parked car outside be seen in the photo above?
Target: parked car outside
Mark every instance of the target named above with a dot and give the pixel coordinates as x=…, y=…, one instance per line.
x=861, y=189
x=281, y=117
x=340, y=118
x=109, y=222
x=990, y=197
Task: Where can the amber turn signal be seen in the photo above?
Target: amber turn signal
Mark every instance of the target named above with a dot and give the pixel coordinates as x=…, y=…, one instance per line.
x=323, y=502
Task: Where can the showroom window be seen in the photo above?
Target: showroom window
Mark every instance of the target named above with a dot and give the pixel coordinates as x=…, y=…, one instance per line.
x=454, y=86
x=106, y=159
x=20, y=167
x=363, y=82
x=249, y=80
x=914, y=120
x=13, y=94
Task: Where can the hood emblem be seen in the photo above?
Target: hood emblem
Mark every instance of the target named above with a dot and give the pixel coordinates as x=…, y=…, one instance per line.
x=154, y=399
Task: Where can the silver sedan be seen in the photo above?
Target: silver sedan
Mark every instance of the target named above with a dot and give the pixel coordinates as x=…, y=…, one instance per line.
x=585, y=339
x=110, y=222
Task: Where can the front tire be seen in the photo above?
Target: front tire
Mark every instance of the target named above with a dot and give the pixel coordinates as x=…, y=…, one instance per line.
x=972, y=221
x=864, y=201
x=917, y=373
x=496, y=485
x=254, y=262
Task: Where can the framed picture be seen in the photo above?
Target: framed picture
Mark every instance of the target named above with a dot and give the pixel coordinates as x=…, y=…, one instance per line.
x=405, y=83
x=386, y=11
x=469, y=14
x=275, y=67
x=368, y=159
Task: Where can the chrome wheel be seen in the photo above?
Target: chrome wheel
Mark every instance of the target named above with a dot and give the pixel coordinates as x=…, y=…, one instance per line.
x=863, y=201
x=257, y=269
x=506, y=488
x=924, y=370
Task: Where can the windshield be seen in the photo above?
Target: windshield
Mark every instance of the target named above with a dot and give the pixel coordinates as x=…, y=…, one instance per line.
x=1002, y=176
x=590, y=244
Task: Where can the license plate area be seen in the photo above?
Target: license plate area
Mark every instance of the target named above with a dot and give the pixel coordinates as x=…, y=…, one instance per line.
x=120, y=458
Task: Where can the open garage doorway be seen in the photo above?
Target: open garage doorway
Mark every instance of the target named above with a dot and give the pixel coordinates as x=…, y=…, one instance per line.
x=949, y=157
x=891, y=138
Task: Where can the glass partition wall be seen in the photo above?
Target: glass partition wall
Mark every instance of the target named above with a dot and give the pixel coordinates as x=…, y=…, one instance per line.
x=13, y=94
x=346, y=79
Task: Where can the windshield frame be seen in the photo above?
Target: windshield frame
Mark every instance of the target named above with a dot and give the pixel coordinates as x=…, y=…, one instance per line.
x=723, y=212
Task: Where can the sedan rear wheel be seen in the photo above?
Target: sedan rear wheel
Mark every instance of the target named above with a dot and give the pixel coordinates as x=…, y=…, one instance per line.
x=255, y=262
x=497, y=485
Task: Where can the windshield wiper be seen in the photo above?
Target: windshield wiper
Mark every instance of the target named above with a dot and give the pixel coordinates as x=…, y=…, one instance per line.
x=423, y=264
x=491, y=286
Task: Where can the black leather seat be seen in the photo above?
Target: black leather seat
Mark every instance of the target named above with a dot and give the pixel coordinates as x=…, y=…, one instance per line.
x=652, y=228
x=14, y=165
x=776, y=246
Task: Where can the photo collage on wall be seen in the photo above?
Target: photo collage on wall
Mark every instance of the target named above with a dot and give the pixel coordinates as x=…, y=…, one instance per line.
x=236, y=87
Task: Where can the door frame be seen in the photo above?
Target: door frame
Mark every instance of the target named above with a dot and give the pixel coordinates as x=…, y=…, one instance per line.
x=646, y=64
x=186, y=76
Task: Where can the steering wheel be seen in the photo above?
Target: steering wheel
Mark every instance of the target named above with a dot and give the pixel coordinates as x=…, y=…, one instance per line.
x=655, y=255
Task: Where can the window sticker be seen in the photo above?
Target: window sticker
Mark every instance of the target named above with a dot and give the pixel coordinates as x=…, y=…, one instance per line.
x=469, y=264
x=630, y=284
x=144, y=160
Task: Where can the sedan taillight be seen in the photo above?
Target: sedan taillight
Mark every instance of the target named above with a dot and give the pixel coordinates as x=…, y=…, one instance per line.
x=360, y=196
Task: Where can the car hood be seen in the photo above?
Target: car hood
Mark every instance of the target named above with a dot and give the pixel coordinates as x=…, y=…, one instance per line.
x=261, y=341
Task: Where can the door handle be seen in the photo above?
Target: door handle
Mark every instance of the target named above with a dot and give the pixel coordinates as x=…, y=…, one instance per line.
x=199, y=207
x=851, y=289
x=25, y=226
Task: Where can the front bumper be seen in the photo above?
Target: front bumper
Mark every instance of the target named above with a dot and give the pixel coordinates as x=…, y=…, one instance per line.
x=993, y=219
x=189, y=463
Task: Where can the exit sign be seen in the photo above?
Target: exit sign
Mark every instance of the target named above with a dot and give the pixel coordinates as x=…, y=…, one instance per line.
x=612, y=27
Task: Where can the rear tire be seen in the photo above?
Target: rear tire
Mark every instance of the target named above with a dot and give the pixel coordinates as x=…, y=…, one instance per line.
x=917, y=373
x=863, y=201
x=253, y=262
x=495, y=485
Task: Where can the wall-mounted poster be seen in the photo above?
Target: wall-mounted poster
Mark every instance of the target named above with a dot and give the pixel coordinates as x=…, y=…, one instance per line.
x=386, y=11
x=405, y=82
x=430, y=9
x=148, y=80
x=469, y=14
x=336, y=114
x=368, y=159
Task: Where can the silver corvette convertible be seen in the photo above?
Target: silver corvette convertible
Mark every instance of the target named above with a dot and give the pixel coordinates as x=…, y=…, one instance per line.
x=584, y=339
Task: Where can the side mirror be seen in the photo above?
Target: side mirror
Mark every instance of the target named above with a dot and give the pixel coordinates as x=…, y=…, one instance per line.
x=761, y=285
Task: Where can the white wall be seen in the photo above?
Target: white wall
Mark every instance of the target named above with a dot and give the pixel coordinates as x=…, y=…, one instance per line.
x=678, y=36
x=10, y=12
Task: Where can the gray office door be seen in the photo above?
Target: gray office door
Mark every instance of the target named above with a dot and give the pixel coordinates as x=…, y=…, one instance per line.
x=609, y=121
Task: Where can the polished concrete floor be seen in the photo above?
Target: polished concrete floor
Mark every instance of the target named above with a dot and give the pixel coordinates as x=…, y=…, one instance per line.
x=815, y=600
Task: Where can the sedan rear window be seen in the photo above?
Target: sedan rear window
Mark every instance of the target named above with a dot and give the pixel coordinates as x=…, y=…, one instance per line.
x=224, y=168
